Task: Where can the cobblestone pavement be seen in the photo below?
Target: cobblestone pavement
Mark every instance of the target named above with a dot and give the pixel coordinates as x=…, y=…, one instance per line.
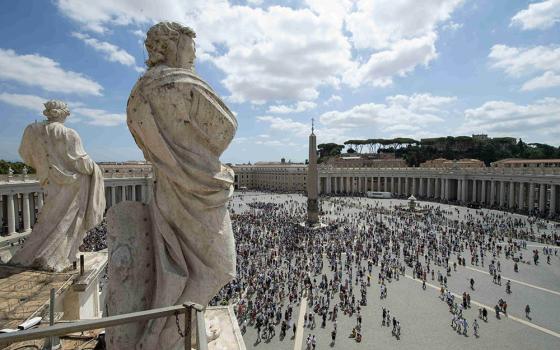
x=425, y=319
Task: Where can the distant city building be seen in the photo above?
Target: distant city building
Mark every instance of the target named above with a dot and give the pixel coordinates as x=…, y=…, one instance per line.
x=526, y=163
x=377, y=160
x=126, y=167
x=452, y=164
x=272, y=176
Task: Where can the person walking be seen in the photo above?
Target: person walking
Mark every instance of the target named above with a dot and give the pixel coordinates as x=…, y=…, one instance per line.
x=475, y=328
x=527, y=311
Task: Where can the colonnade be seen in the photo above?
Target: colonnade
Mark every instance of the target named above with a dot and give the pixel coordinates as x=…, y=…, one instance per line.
x=20, y=203
x=530, y=194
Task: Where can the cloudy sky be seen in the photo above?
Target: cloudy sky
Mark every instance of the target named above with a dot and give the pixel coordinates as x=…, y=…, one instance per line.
x=360, y=68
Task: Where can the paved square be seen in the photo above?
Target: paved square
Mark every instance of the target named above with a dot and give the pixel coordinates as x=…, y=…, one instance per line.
x=278, y=262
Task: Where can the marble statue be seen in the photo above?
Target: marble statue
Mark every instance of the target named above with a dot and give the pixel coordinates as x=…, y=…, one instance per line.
x=24, y=171
x=10, y=171
x=73, y=185
x=179, y=246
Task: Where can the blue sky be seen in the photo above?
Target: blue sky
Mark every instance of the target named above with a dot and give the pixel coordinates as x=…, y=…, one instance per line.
x=360, y=68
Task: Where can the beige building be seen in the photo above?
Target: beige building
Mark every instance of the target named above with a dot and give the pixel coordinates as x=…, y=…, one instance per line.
x=526, y=163
x=272, y=176
x=382, y=160
x=452, y=164
x=129, y=167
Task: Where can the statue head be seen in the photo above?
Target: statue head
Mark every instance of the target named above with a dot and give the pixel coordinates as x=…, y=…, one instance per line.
x=56, y=111
x=172, y=44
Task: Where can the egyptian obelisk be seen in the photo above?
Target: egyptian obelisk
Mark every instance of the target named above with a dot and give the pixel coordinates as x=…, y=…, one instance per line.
x=312, y=178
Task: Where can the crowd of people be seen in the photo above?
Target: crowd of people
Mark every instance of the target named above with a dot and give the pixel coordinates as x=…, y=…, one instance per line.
x=281, y=263
x=95, y=239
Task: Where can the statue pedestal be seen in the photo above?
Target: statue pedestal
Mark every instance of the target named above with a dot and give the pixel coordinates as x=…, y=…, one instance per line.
x=82, y=300
x=230, y=335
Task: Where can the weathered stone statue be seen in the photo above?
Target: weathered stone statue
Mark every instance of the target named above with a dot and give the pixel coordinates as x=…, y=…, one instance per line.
x=179, y=247
x=73, y=184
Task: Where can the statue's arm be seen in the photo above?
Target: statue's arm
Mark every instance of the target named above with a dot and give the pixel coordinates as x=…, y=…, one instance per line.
x=26, y=147
x=83, y=164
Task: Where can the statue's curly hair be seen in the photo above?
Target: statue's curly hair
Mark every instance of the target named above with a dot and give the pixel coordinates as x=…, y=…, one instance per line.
x=158, y=38
x=56, y=110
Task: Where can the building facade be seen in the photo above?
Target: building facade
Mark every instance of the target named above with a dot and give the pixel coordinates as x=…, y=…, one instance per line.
x=526, y=163
x=271, y=176
x=531, y=189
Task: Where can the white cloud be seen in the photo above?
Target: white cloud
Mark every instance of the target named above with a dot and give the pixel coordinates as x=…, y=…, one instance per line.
x=540, y=15
x=36, y=70
x=286, y=125
x=400, y=112
x=509, y=118
x=299, y=107
x=400, y=59
x=278, y=53
x=333, y=99
x=111, y=53
x=31, y=102
x=519, y=62
x=452, y=26
x=379, y=24
x=101, y=117
x=78, y=111
x=547, y=80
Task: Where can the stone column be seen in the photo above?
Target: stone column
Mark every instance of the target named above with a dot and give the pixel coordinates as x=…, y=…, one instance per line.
x=437, y=188
x=542, y=198
x=421, y=187
x=429, y=189
x=531, y=200
x=133, y=193
x=328, y=178
x=336, y=184
x=39, y=200
x=413, y=192
x=552, y=209
x=459, y=190
x=474, y=194
x=521, y=197
x=378, y=184
x=511, y=197
x=442, y=189
x=11, y=214
x=399, y=186
x=464, y=189
x=502, y=193
x=113, y=195
x=482, y=191
x=406, y=187
x=492, y=192
x=26, y=211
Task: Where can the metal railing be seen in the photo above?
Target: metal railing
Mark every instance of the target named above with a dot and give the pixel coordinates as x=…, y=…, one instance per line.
x=111, y=321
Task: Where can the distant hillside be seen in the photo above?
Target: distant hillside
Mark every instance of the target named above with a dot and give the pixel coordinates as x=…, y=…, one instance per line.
x=415, y=152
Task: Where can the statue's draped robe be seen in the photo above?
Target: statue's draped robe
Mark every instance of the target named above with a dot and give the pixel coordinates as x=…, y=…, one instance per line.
x=75, y=195
x=183, y=127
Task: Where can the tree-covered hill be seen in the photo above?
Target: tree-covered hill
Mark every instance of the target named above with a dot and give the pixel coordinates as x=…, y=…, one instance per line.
x=418, y=151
